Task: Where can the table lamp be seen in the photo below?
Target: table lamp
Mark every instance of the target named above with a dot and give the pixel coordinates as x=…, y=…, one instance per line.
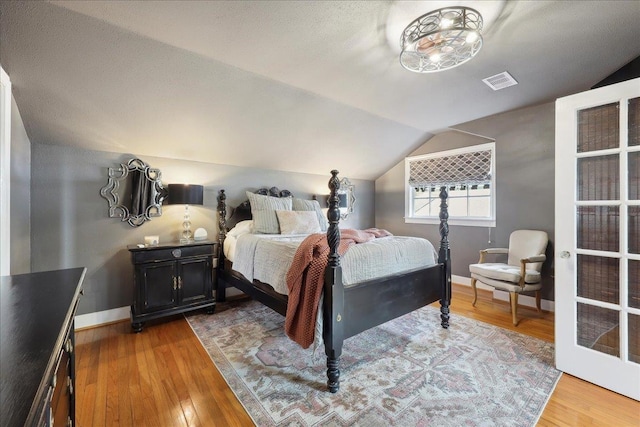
x=185, y=194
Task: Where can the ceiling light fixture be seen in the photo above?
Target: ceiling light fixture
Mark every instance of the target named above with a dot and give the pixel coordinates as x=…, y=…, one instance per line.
x=441, y=39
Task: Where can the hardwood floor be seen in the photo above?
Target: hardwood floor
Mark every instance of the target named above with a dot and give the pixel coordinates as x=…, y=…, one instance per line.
x=160, y=377
x=163, y=376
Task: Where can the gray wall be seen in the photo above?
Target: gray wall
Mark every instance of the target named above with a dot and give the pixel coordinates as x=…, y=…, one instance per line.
x=524, y=184
x=20, y=192
x=70, y=227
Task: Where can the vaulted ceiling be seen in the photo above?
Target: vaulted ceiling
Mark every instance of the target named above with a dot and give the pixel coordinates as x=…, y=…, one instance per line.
x=304, y=86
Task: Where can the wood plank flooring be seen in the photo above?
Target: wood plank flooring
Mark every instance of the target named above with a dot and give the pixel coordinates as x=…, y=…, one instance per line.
x=163, y=377
x=160, y=377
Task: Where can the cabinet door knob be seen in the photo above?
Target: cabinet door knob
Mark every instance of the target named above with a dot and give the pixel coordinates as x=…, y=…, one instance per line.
x=177, y=253
x=565, y=254
x=175, y=283
x=179, y=282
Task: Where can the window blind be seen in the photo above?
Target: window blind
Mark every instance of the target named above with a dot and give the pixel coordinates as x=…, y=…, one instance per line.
x=461, y=169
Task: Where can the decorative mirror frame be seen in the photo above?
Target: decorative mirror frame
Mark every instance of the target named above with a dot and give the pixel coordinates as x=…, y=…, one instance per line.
x=346, y=187
x=120, y=174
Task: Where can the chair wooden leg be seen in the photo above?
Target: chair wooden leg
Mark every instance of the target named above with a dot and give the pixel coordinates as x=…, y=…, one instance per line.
x=513, y=297
x=538, y=298
x=475, y=291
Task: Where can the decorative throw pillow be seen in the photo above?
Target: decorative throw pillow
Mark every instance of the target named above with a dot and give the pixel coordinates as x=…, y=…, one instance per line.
x=311, y=205
x=263, y=211
x=298, y=222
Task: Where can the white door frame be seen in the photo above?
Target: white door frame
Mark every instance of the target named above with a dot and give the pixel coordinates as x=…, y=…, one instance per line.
x=5, y=173
x=615, y=373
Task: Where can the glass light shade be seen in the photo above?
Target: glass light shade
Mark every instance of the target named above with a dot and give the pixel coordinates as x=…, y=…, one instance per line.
x=441, y=39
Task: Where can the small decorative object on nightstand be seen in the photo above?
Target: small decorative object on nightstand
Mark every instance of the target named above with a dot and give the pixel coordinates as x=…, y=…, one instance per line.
x=200, y=234
x=172, y=278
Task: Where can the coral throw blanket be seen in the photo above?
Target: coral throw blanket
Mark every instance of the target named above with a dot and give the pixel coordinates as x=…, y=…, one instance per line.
x=305, y=280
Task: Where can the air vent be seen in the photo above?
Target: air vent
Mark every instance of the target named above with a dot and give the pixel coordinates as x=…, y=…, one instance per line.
x=500, y=81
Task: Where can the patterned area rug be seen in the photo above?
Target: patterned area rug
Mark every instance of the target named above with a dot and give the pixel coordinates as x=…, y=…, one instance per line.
x=407, y=372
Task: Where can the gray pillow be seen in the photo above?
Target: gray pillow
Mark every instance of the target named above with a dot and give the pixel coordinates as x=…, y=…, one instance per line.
x=263, y=211
x=312, y=205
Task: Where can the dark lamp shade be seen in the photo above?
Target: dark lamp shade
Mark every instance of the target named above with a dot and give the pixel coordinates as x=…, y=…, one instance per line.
x=185, y=194
x=342, y=200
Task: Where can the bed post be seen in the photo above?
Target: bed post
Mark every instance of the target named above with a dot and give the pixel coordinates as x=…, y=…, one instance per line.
x=333, y=304
x=444, y=257
x=222, y=234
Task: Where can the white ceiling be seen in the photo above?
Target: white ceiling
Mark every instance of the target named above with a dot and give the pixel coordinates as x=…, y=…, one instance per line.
x=304, y=86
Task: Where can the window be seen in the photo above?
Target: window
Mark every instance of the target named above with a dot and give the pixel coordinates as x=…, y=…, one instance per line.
x=469, y=176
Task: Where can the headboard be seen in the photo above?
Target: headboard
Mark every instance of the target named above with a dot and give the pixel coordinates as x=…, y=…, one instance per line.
x=242, y=212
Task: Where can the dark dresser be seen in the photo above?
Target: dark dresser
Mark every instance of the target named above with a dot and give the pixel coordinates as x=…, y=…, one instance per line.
x=37, y=357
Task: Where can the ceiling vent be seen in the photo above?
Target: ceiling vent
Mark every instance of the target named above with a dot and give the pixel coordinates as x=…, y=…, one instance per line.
x=500, y=81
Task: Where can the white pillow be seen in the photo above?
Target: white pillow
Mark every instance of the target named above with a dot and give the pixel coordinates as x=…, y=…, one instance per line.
x=311, y=205
x=298, y=222
x=243, y=227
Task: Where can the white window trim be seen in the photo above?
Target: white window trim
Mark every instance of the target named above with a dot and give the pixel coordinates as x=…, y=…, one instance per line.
x=469, y=221
x=5, y=173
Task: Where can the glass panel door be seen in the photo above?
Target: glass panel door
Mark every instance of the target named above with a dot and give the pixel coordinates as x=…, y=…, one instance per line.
x=598, y=236
x=598, y=228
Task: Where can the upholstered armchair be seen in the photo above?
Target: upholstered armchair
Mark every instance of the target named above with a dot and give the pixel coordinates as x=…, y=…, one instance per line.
x=521, y=273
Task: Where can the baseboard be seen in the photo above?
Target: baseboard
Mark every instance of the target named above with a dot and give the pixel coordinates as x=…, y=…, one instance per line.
x=98, y=318
x=525, y=300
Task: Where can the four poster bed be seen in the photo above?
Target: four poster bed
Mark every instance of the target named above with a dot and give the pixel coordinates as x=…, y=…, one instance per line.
x=348, y=310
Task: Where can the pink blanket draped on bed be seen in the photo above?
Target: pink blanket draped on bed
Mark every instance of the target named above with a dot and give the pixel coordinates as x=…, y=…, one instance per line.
x=305, y=280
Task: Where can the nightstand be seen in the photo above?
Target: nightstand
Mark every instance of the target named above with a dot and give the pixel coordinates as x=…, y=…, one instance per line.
x=172, y=278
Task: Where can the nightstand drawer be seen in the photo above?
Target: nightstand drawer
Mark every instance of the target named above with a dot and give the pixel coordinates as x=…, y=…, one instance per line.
x=161, y=254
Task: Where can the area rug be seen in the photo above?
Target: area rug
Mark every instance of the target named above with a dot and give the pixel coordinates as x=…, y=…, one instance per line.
x=406, y=372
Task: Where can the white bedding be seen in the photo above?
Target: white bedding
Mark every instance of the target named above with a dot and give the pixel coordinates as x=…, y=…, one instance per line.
x=267, y=257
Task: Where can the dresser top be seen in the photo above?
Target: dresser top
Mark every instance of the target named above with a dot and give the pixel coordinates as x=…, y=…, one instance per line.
x=35, y=310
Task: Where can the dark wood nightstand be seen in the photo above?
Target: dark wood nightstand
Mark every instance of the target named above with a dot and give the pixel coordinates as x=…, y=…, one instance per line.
x=172, y=278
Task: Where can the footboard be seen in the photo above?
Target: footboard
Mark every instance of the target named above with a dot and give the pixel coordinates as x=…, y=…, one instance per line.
x=372, y=303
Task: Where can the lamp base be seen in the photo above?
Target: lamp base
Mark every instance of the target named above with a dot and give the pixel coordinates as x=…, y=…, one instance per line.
x=186, y=236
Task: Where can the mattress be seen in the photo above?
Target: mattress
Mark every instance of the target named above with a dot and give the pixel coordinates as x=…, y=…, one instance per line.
x=267, y=257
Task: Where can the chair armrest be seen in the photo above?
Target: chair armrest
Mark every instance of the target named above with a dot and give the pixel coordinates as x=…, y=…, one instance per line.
x=496, y=250
x=492, y=251
x=535, y=258
x=523, y=266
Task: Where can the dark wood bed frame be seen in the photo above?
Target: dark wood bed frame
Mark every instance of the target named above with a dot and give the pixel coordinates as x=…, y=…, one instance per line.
x=351, y=310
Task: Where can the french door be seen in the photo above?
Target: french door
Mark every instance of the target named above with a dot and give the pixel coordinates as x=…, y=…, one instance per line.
x=597, y=230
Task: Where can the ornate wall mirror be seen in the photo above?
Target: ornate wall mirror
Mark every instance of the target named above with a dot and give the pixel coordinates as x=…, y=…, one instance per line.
x=134, y=192
x=347, y=196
